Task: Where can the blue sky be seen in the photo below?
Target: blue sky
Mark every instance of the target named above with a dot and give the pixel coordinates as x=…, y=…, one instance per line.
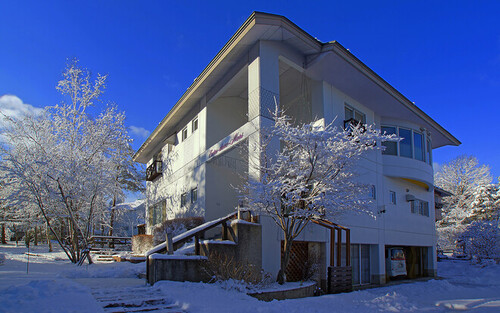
x=443, y=55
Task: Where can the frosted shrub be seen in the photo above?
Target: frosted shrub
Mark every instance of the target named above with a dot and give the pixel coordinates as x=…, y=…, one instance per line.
x=481, y=240
x=175, y=227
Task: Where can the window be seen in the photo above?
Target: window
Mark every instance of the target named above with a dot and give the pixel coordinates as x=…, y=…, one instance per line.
x=420, y=207
x=423, y=208
x=418, y=143
x=360, y=262
x=184, y=197
x=351, y=113
x=373, y=192
x=194, y=125
x=194, y=195
x=157, y=212
x=414, y=206
x=184, y=134
x=412, y=144
x=405, y=146
x=391, y=147
x=392, y=197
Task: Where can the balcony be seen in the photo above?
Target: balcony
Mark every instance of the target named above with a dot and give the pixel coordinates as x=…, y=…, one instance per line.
x=154, y=170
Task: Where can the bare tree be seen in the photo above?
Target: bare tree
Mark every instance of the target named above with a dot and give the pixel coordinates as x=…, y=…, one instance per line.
x=311, y=175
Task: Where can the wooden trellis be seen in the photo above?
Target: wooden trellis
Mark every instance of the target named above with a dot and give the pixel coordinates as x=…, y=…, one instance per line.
x=299, y=256
x=339, y=277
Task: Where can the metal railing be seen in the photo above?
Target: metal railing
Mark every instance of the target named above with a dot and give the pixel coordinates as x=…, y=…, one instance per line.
x=154, y=170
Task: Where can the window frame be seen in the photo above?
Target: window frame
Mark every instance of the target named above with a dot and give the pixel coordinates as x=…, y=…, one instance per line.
x=373, y=192
x=354, y=111
x=396, y=143
x=420, y=207
x=183, y=199
x=393, y=197
x=194, y=125
x=422, y=142
x=426, y=143
x=184, y=133
x=194, y=195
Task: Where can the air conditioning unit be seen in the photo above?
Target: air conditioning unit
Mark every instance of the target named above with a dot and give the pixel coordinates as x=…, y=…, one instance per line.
x=410, y=198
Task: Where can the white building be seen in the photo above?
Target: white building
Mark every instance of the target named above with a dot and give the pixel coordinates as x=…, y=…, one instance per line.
x=268, y=58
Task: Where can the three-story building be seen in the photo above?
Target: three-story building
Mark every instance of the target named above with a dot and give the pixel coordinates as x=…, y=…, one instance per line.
x=270, y=59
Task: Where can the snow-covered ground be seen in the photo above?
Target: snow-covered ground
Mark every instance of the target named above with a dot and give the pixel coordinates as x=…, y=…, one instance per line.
x=54, y=285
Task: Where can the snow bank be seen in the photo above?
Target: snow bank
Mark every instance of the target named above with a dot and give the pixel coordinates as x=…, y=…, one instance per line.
x=159, y=256
x=48, y=296
x=114, y=270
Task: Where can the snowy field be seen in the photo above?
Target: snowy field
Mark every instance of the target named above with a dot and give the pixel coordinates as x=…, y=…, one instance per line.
x=52, y=284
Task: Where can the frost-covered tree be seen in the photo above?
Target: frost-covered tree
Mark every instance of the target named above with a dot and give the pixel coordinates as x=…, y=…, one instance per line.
x=128, y=178
x=486, y=203
x=65, y=160
x=481, y=240
x=461, y=176
x=311, y=176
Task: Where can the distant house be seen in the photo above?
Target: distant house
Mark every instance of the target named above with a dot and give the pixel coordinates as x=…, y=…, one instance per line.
x=268, y=58
x=129, y=215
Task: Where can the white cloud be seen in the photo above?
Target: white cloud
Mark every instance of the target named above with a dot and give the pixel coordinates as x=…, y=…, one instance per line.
x=436, y=166
x=139, y=132
x=14, y=107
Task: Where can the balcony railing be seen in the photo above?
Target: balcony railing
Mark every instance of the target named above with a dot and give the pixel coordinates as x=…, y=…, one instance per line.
x=154, y=170
x=352, y=123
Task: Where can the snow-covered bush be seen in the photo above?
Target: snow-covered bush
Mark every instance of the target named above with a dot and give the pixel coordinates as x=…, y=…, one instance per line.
x=2, y=258
x=141, y=244
x=231, y=273
x=175, y=227
x=481, y=240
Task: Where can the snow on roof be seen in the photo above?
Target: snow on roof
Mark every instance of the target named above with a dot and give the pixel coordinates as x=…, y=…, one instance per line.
x=132, y=206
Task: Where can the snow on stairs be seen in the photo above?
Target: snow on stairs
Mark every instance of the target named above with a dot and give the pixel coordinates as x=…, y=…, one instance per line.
x=103, y=255
x=134, y=299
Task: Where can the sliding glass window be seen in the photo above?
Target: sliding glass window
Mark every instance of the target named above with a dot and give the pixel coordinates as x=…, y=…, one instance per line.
x=405, y=147
x=418, y=142
x=391, y=147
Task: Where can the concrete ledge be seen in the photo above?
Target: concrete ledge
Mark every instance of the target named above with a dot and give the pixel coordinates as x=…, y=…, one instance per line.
x=176, y=268
x=307, y=290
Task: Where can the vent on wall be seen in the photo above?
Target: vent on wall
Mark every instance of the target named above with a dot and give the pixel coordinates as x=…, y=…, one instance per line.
x=410, y=198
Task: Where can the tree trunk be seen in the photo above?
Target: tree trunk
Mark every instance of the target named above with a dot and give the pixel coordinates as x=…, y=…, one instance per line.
x=36, y=236
x=287, y=245
x=48, y=235
x=112, y=222
x=15, y=235
x=3, y=234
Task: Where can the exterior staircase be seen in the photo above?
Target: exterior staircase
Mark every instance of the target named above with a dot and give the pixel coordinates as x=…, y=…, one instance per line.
x=240, y=242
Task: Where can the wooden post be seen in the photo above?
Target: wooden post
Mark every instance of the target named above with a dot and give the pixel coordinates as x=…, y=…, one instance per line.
x=224, y=231
x=348, y=247
x=339, y=247
x=332, y=247
x=197, y=245
x=169, y=243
